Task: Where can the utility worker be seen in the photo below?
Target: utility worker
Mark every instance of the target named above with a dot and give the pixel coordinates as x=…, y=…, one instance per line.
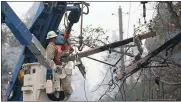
x=56, y=51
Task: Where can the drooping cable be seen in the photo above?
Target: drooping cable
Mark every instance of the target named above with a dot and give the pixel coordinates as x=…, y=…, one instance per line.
x=80, y=36
x=85, y=89
x=102, y=81
x=84, y=81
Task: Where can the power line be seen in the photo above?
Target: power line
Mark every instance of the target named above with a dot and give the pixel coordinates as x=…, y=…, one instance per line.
x=100, y=61
x=136, y=81
x=85, y=90
x=111, y=83
x=102, y=80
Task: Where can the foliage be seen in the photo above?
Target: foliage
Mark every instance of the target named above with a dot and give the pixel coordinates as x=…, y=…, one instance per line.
x=10, y=50
x=166, y=23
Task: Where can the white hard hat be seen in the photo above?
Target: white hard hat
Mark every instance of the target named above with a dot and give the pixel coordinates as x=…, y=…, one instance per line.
x=51, y=34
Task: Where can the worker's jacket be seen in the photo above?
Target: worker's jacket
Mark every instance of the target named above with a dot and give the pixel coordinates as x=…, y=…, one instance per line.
x=51, y=50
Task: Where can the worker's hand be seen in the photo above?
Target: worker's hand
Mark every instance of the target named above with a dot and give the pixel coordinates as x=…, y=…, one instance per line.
x=64, y=55
x=71, y=50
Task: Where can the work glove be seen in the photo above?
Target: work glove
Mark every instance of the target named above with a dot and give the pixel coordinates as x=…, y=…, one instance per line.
x=71, y=50
x=64, y=55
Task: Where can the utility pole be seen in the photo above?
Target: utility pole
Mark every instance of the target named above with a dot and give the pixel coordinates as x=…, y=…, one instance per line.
x=122, y=47
x=121, y=34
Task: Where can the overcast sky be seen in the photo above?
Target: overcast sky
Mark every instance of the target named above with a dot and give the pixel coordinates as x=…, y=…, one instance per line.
x=100, y=16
